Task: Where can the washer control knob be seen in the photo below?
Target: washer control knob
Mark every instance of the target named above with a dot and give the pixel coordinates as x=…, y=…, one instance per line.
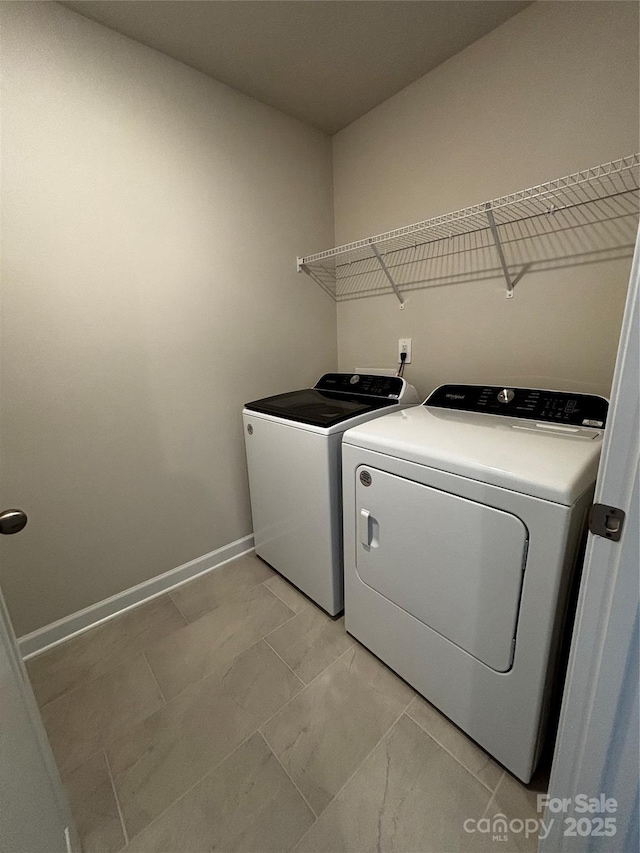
x=506, y=395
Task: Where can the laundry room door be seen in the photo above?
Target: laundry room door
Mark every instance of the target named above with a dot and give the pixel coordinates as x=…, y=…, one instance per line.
x=454, y=564
x=34, y=815
x=598, y=750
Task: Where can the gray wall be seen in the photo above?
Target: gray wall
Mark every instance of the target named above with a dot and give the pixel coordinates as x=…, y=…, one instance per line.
x=151, y=221
x=151, y=218
x=551, y=91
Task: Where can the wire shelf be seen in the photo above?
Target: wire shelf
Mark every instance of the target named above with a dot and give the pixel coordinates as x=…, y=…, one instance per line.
x=592, y=214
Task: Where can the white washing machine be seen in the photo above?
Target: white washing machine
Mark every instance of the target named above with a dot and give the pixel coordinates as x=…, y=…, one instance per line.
x=293, y=455
x=462, y=521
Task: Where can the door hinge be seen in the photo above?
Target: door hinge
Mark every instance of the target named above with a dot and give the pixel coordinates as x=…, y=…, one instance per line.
x=606, y=521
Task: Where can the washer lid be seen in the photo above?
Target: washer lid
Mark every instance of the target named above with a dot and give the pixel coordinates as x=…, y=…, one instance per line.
x=337, y=397
x=553, y=462
x=320, y=408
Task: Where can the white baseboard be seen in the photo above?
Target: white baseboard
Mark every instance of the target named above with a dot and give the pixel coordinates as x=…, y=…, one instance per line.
x=57, y=632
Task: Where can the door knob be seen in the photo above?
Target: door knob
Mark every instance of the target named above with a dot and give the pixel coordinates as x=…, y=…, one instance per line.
x=12, y=521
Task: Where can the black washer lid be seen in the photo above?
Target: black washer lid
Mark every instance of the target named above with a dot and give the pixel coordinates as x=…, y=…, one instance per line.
x=318, y=408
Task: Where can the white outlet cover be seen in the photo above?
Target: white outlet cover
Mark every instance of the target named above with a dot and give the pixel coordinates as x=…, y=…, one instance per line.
x=404, y=345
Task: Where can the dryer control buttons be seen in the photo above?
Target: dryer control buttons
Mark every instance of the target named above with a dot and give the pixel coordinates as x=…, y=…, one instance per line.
x=533, y=404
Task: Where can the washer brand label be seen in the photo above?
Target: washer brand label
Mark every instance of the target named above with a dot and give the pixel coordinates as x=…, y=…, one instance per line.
x=591, y=422
x=455, y=396
x=365, y=478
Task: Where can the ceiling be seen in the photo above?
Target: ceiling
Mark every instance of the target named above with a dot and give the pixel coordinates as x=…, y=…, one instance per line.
x=326, y=62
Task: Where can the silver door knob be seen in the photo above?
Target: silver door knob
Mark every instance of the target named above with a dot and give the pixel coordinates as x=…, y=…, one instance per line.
x=12, y=521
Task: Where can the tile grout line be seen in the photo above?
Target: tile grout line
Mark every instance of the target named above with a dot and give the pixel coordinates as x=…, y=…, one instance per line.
x=104, y=747
x=143, y=651
x=157, y=683
x=273, y=592
x=199, y=681
x=455, y=757
x=256, y=731
x=211, y=672
x=307, y=602
x=177, y=607
x=99, y=623
x=86, y=682
x=239, y=594
x=306, y=686
x=493, y=796
x=67, y=773
x=293, y=616
x=191, y=787
x=202, y=778
x=174, y=698
x=290, y=778
x=277, y=598
x=275, y=713
x=206, y=674
x=269, y=646
x=117, y=662
x=117, y=799
x=108, y=743
x=228, y=755
x=364, y=760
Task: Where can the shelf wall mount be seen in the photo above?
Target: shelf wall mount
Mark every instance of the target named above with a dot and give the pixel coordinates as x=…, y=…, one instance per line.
x=498, y=245
x=385, y=270
x=587, y=215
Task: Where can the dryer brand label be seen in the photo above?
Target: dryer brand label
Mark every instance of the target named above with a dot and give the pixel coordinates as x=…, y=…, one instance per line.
x=365, y=478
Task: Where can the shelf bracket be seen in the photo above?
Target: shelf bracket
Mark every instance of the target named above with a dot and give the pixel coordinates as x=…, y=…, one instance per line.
x=385, y=270
x=302, y=267
x=498, y=245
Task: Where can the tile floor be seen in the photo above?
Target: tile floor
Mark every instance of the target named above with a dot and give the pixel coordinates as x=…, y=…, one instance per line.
x=234, y=715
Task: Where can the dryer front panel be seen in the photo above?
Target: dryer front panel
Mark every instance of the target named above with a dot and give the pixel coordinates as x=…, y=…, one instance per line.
x=454, y=564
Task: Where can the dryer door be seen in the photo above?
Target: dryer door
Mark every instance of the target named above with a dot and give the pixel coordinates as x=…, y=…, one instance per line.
x=452, y=563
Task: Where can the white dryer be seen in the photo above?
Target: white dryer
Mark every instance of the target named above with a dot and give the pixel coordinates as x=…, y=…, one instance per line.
x=462, y=522
x=292, y=442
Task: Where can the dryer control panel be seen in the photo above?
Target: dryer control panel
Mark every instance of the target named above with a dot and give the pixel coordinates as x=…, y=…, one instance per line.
x=560, y=407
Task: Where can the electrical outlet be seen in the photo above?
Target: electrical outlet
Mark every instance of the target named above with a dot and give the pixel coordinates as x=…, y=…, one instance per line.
x=404, y=345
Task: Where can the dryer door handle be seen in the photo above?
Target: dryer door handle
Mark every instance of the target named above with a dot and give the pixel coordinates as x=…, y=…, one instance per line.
x=367, y=529
x=364, y=527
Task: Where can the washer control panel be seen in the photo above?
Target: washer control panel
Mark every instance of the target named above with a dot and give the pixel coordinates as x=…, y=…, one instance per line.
x=361, y=383
x=534, y=404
